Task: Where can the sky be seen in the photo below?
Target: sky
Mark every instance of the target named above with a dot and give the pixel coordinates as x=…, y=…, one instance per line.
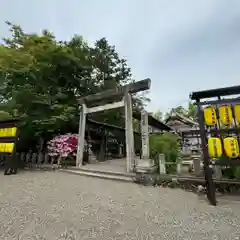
x=181, y=45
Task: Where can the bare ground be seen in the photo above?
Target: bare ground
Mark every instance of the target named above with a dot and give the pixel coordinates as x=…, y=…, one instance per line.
x=56, y=205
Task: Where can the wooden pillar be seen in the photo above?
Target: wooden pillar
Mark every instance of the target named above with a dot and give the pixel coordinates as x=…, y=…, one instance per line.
x=145, y=135
x=102, y=149
x=81, y=135
x=106, y=145
x=130, y=154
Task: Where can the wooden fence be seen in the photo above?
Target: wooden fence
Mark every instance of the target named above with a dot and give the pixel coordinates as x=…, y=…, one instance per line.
x=182, y=165
x=194, y=163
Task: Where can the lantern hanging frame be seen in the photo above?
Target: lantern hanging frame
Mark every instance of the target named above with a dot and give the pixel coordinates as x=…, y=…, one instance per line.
x=205, y=98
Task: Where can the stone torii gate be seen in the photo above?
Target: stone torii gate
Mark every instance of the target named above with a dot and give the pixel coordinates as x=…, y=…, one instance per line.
x=125, y=94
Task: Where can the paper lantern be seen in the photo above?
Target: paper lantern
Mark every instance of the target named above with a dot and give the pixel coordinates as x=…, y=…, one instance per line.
x=8, y=132
x=231, y=147
x=237, y=113
x=6, y=147
x=214, y=147
x=210, y=116
x=225, y=115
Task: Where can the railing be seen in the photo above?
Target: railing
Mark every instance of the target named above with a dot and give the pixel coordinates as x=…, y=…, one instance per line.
x=194, y=164
x=182, y=165
x=35, y=159
x=163, y=164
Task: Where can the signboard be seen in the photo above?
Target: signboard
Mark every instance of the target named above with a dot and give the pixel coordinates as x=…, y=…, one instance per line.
x=8, y=139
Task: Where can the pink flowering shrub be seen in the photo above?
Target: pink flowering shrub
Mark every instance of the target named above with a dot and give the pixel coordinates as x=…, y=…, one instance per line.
x=63, y=145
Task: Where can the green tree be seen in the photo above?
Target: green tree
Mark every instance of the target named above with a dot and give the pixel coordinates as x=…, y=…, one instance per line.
x=189, y=112
x=42, y=85
x=192, y=111
x=4, y=115
x=167, y=144
x=110, y=70
x=158, y=115
x=42, y=78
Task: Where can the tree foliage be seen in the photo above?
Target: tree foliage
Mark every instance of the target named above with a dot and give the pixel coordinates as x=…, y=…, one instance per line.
x=158, y=115
x=167, y=144
x=41, y=79
x=189, y=112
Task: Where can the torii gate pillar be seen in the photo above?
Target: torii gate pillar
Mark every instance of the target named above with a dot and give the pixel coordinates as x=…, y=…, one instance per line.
x=125, y=94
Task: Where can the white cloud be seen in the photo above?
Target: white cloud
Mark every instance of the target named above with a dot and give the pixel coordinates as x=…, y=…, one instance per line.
x=181, y=45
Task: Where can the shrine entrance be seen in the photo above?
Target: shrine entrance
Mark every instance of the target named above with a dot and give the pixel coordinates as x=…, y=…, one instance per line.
x=116, y=98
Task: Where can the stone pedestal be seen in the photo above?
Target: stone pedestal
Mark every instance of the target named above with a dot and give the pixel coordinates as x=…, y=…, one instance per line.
x=120, y=150
x=197, y=164
x=145, y=166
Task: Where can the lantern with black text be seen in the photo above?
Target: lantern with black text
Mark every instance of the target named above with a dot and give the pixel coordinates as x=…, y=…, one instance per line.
x=237, y=113
x=214, y=147
x=225, y=115
x=210, y=116
x=231, y=147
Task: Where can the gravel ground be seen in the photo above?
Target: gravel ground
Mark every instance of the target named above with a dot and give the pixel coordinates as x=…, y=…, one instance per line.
x=57, y=205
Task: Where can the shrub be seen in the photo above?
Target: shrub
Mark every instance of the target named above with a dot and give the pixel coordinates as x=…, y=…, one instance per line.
x=63, y=145
x=167, y=144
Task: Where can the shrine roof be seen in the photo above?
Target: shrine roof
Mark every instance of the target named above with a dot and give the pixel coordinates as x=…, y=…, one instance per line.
x=182, y=119
x=137, y=115
x=153, y=122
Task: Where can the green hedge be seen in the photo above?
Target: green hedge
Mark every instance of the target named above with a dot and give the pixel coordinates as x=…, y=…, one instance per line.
x=167, y=144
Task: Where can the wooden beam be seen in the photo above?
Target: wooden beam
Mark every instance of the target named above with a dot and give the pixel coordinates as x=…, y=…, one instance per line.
x=139, y=86
x=110, y=93
x=106, y=107
x=132, y=88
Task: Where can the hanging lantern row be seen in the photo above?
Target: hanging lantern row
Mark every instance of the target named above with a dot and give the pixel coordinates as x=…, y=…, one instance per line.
x=225, y=115
x=230, y=146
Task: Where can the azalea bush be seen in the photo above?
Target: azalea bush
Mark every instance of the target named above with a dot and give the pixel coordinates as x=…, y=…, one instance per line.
x=63, y=145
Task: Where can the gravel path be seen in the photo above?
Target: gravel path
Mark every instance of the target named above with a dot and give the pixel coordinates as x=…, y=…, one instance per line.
x=57, y=205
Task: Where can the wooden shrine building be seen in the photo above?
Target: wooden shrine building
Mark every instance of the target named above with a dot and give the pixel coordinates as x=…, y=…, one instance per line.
x=105, y=141
x=188, y=129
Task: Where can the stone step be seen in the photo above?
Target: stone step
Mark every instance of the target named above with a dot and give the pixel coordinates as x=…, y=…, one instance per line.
x=98, y=171
x=100, y=175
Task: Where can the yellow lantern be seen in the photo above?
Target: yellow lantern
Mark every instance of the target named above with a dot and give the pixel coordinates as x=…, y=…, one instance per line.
x=8, y=132
x=237, y=113
x=9, y=147
x=214, y=147
x=6, y=147
x=231, y=147
x=225, y=115
x=13, y=132
x=210, y=116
